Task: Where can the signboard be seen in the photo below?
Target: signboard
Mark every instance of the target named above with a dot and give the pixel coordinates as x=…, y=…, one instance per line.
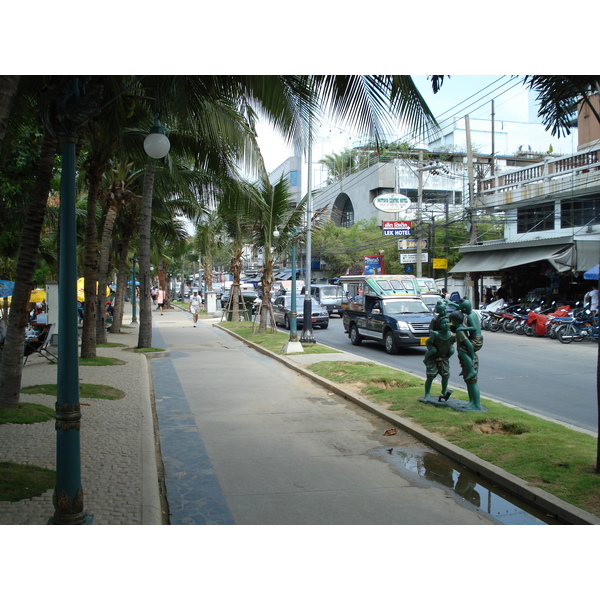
x=396, y=228
x=391, y=203
x=404, y=259
x=374, y=264
x=440, y=263
x=411, y=244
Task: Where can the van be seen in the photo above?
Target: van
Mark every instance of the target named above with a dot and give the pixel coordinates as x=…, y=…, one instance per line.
x=329, y=296
x=385, y=308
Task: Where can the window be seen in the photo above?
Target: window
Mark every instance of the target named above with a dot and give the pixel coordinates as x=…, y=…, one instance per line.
x=535, y=218
x=577, y=213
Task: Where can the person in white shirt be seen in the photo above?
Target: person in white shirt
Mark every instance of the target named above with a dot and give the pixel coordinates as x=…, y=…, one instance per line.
x=195, y=306
x=592, y=298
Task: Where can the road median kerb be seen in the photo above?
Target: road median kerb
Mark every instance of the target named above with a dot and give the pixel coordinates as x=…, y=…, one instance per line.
x=516, y=486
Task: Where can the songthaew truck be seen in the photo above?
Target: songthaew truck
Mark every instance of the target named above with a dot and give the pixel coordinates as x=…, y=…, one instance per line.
x=385, y=308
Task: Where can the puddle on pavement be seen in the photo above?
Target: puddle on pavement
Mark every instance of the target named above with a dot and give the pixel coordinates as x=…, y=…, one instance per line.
x=484, y=495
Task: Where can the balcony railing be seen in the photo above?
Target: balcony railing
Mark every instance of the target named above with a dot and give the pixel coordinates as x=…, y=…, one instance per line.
x=542, y=173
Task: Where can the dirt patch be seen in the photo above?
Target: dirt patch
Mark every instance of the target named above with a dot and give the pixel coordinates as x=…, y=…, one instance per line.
x=388, y=384
x=495, y=426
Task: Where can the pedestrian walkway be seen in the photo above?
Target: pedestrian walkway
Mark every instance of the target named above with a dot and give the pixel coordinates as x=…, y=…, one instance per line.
x=246, y=440
x=118, y=459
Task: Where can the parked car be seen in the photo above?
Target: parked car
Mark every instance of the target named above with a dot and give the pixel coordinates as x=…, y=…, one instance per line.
x=282, y=308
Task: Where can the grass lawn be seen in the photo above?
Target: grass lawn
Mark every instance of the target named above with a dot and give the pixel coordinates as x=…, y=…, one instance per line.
x=273, y=341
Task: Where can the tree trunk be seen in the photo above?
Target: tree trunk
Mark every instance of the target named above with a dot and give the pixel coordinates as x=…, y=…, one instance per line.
x=119, y=306
x=8, y=91
x=11, y=362
x=265, y=312
x=236, y=266
x=90, y=266
x=103, y=266
x=145, y=303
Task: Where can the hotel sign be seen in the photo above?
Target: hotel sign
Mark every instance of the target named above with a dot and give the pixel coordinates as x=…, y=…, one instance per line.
x=397, y=203
x=397, y=228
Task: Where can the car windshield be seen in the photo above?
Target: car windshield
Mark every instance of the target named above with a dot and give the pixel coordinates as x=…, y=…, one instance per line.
x=405, y=306
x=331, y=292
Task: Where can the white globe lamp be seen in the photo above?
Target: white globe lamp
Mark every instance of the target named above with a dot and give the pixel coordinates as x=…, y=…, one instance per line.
x=157, y=144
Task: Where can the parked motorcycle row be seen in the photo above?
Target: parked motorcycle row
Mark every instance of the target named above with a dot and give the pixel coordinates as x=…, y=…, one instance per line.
x=564, y=323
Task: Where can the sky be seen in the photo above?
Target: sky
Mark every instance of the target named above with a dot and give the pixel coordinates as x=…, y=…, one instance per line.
x=460, y=95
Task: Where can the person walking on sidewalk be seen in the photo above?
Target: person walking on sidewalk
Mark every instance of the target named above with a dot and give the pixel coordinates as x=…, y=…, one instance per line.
x=161, y=296
x=195, y=306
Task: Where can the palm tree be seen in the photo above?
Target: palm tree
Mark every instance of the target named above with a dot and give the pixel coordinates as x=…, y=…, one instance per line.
x=8, y=92
x=276, y=213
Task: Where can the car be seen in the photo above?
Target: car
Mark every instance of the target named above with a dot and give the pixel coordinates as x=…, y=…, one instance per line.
x=329, y=296
x=431, y=300
x=282, y=308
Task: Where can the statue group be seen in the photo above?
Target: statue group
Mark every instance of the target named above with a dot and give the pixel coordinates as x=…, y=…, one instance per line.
x=460, y=327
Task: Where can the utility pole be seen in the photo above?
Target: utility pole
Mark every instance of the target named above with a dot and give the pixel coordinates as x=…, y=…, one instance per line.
x=420, y=217
x=493, y=165
x=472, y=217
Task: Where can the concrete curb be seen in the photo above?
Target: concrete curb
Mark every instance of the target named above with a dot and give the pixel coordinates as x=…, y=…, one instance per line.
x=516, y=486
x=151, y=503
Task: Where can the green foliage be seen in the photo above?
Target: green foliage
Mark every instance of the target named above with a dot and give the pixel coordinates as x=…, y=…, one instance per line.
x=26, y=413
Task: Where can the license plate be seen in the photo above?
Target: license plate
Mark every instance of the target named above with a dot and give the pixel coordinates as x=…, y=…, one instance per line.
x=313, y=320
x=423, y=341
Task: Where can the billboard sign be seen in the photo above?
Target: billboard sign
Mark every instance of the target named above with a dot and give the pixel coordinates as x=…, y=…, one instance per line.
x=374, y=264
x=405, y=259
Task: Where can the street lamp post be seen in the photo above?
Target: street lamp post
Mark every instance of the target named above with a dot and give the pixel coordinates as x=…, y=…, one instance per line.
x=307, y=336
x=293, y=345
x=79, y=104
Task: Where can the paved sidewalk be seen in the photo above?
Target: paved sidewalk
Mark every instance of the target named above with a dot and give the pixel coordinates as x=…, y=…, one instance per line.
x=118, y=460
x=246, y=440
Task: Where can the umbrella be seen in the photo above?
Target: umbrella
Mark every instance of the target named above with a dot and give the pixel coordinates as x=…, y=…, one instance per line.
x=37, y=296
x=6, y=288
x=592, y=273
x=80, y=295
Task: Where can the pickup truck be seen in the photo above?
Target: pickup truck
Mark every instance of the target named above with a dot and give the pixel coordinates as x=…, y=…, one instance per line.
x=387, y=309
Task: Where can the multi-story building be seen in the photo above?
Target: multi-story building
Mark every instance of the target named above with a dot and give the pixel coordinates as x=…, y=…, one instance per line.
x=552, y=221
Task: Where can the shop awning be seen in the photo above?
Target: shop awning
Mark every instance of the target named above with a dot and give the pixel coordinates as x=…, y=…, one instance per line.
x=497, y=258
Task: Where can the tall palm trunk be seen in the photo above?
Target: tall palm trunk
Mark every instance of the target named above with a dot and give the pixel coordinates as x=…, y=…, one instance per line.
x=103, y=264
x=236, y=266
x=119, y=304
x=11, y=362
x=90, y=266
x=265, y=312
x=145, y=304
x=8, y=91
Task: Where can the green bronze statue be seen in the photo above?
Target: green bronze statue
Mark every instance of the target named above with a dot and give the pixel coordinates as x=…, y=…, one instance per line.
x=437, y=358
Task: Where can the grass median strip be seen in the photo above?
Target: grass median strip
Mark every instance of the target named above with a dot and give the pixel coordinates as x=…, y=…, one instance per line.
x=546, y=454
x=271, y=340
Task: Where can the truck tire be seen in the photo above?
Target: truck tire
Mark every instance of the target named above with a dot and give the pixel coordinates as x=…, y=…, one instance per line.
x=391, y=347
x=355, y=337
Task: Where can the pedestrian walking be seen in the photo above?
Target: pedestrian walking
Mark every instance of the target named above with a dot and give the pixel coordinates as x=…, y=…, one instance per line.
x=161, y=296
x=195, y=306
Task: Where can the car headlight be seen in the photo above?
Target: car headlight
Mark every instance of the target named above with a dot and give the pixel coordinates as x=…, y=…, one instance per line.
x=403, y=326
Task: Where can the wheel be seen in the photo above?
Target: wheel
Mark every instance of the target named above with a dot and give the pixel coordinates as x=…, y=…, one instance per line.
x=325, y=325
x=355, y=337
x=568, y=333
x=494, y=325
x=520, y=328
x=391, y=347
x=286, y=322
x=529, y=330
x=508, y=326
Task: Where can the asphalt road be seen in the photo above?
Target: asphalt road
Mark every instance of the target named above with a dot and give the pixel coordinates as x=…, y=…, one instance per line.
x=538, y=374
